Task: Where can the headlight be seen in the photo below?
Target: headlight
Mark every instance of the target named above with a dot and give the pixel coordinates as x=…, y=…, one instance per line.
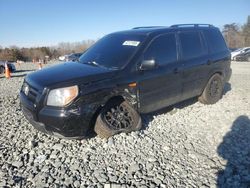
x=25, y=88
x=62, y=96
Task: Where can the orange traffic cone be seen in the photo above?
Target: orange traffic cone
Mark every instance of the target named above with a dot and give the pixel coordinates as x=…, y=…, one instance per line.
x=39, y=65
x=7, y=71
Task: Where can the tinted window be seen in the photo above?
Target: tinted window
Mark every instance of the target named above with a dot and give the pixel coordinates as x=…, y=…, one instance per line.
x=246, y=50
x=191, y=45
x=162, y=49
x=215, y=40
x=112, y=51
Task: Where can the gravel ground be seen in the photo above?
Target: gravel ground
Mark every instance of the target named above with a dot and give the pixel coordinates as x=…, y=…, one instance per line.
x=190, y=145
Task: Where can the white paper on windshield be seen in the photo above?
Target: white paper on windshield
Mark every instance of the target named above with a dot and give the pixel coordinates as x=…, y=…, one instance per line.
x=131, y=43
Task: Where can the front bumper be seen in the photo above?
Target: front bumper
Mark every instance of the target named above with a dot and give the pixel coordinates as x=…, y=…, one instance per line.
x=72, y=123
x=39, y=126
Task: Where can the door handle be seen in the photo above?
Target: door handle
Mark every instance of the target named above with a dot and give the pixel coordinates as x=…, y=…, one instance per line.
x=176, y=70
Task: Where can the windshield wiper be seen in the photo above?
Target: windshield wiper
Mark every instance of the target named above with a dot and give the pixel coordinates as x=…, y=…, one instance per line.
x=96, y=64
x=93, y=63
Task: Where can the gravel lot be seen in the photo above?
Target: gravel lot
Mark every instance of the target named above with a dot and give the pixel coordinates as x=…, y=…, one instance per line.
x=190, y=145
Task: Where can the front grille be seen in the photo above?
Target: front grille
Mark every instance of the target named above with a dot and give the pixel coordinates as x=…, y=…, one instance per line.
x=32, y=94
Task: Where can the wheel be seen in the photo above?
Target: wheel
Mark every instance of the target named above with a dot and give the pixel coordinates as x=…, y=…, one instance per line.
x=117, y=116
x=2, y=69
x=213, y=90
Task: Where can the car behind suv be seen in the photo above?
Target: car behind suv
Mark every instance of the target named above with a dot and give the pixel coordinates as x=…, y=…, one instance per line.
x=10, y=65
x=125, y=74
x=73, y=57
x=239, y=51
x=243, y=56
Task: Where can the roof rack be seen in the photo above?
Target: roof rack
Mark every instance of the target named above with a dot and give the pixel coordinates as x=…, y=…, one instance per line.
x=147, y=27
x=192, y=25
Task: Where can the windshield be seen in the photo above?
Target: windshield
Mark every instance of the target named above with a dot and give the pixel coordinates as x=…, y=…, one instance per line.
x=112, y=51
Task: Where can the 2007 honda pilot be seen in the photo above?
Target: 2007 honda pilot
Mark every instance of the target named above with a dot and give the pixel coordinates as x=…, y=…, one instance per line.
x=126, y=73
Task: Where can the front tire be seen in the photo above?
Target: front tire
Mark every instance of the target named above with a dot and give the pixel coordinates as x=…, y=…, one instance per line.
x=116, y=117
x=213, y=90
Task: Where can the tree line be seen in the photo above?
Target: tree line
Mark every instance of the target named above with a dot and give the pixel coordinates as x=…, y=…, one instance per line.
x=14, y=53
x=236, y=36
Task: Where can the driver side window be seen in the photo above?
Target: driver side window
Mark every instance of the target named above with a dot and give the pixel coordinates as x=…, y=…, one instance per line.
x=162, y=49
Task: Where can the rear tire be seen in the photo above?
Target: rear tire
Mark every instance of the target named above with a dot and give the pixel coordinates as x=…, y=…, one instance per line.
x=117, y=116
x=213, y=90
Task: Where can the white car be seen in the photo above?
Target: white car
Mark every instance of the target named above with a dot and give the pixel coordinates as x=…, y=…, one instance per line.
x=239, y=51
x=63, y=57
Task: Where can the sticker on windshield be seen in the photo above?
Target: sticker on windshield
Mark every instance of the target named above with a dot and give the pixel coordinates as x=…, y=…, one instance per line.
x=131, y=43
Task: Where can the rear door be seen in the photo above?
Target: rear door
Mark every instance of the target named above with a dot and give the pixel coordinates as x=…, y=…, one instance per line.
x=195, y=62
x=161, y=86
x=220, y=56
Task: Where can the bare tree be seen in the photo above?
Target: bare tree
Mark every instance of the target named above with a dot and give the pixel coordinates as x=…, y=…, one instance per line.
x=73, y=47
x=233, y=36
x=246, y=32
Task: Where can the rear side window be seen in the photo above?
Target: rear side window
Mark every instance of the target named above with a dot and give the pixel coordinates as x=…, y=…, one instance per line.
x=215, y=40
x=162, y=49
x=191, y=44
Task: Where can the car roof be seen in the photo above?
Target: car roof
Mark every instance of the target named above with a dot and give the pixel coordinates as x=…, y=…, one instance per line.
x=143, y=30
x=155, y=30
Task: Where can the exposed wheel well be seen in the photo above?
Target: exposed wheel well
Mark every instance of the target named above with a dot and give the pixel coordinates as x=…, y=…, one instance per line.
x=115, y=98
x=110, y=100
x=218, y=72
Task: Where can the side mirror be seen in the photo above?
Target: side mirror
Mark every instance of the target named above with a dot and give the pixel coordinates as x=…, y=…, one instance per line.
x=148, y=64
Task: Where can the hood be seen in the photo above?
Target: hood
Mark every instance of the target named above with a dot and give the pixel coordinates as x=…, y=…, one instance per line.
x=70, y=72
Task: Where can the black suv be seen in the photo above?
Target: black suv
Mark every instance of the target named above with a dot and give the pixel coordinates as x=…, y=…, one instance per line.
x=126, y=73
